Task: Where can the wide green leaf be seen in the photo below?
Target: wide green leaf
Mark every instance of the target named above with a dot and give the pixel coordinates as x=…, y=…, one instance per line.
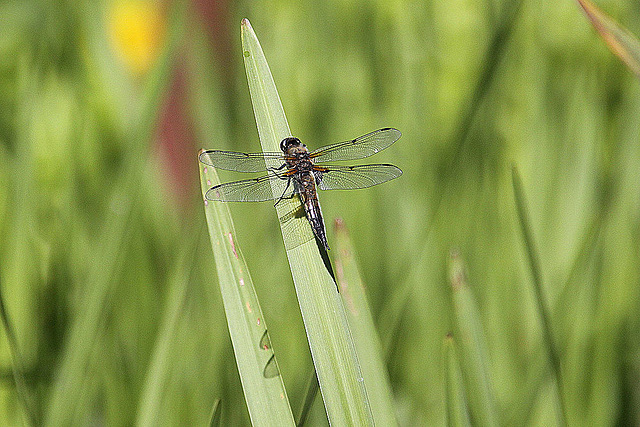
x=333, y=351
x=263, y=388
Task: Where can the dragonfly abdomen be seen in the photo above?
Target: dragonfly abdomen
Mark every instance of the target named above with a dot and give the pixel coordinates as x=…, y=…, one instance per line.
x=309, y=197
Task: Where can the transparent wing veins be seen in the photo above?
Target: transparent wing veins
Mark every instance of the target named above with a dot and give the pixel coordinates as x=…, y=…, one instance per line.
x=252, y=190
x=241, y=162
x=359, y=148
x=353, y=177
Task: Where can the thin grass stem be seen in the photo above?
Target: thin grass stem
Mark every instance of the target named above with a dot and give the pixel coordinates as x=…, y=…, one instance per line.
x=536, y=273
x=17, y=365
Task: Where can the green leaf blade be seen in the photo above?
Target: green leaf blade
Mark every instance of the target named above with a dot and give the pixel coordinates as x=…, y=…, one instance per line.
x=457, y=412
x=541, y=302
x=474, y=347
x=263, y=387
x=161, y=362
x=363, y=329
x=335, y=360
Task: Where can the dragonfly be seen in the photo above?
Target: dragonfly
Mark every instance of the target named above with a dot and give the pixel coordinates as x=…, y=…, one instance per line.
x=296, y=171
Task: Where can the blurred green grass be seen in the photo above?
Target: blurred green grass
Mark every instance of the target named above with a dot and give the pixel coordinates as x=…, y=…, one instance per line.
x=557, y=104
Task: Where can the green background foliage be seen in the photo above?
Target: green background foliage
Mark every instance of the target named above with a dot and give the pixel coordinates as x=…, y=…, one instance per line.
x=100, y=206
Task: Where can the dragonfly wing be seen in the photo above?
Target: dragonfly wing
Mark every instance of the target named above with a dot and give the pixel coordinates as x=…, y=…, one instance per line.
x=267, y=187
x=295, y=227
x=359, y=148
x=353, y=177
x=241, y=162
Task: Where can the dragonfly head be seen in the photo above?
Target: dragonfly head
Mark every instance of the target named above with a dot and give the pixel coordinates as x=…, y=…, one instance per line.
x=289, y=143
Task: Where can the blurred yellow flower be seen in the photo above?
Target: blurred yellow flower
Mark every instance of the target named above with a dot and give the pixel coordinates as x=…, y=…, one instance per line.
x=136, y=29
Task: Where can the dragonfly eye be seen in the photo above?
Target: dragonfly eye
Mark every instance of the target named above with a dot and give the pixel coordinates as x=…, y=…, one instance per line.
x=288, y=142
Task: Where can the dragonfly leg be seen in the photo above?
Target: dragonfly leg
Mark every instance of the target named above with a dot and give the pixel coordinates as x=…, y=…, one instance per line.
x=283, y=193
x=273, y=169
